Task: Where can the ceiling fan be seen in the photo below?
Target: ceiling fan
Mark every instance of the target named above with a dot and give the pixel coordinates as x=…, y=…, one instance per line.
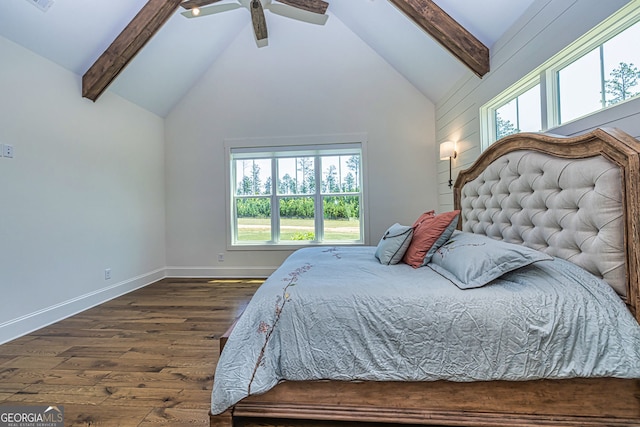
x=311, y=11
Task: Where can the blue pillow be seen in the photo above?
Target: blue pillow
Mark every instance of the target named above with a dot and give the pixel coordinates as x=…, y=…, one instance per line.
x=394, y=244
x=473, y=260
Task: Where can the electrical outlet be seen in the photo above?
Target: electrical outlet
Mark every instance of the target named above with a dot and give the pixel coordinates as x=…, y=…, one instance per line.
x=107, y=274
x=220, y=257
x=7, y=151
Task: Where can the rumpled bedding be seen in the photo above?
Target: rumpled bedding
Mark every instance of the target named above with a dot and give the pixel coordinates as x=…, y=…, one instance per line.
x=337, y=313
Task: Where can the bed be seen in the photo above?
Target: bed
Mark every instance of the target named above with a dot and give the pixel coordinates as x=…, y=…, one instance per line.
x=572, y=204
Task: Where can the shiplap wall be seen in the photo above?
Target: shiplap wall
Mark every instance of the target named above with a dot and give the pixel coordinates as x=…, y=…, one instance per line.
x=545, y=29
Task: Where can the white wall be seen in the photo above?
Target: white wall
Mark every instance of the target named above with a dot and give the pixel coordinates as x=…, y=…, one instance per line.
x=546, y=28
x=310, y=80
x=84, y=192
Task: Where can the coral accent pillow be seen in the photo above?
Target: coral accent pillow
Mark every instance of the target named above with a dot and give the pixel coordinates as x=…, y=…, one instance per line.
x=430, y=231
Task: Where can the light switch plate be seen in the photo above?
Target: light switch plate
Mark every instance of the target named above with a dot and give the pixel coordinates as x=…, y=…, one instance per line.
x=7, y=151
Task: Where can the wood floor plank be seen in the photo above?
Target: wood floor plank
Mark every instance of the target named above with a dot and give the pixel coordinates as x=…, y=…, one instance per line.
x=95, y=351
x=193, y=374
x=6, y=373
x=176, y=417
x=58, y=377
x=6, y=358
x=61, y=394
x=146, y=358
x=154, y=397
x=117, y=364
x=169, y=351
x=34, y=362
x=40, y=349
x=197, y=400
x=78, y=415
x=156, y=379
x=10, y=388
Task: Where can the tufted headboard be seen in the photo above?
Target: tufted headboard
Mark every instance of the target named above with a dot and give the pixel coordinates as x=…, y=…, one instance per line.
x=573, y=198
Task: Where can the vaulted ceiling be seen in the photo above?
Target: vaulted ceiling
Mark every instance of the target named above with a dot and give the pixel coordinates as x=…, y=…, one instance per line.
x=75, y=34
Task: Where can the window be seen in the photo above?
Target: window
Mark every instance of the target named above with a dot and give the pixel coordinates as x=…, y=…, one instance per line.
x=296, y=194
x=520, y=114
x=597, y=71
x=603, y=77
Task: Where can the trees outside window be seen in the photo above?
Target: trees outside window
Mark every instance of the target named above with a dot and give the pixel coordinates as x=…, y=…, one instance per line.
x=620, y=86
x=504, y=127
x=277, y=201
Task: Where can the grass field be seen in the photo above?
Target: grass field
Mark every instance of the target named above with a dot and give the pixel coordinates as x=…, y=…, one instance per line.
x=292, y=229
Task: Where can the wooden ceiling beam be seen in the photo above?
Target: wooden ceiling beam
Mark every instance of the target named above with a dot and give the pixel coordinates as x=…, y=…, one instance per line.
x=128, y=43
x=425, y=13
x=315, y=6
x=448, y=32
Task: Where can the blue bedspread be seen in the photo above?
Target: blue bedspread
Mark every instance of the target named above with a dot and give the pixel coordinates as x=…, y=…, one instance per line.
x=337, y=313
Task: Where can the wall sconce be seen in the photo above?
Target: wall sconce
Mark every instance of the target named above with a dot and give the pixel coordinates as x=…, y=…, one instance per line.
x=448, y=151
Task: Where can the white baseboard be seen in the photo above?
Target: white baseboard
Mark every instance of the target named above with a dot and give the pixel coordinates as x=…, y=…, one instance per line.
x=220, y=272
x=31, y=322
x=28, y=323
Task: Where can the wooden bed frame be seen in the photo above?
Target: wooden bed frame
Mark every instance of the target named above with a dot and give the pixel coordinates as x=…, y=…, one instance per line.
x=570, y=403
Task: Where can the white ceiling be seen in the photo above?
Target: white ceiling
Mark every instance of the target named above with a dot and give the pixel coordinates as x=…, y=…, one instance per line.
x=74, y=33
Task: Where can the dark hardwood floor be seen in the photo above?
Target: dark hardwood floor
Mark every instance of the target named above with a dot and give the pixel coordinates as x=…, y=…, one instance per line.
x=146, y=358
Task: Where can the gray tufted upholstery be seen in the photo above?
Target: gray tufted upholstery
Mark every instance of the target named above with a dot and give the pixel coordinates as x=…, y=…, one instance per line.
x=570, y=209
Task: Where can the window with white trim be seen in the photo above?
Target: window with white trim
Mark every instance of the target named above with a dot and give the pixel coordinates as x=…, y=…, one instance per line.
x=597, y=71
x=521, y=113
x=296, y=195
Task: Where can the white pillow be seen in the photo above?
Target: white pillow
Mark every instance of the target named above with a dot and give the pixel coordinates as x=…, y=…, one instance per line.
x=394, y=244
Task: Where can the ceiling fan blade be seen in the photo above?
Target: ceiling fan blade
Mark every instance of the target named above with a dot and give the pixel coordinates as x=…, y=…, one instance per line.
x=315, y=6
x=298, y=14
x=216, y=8
x=190, y=4
x=258, y=19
